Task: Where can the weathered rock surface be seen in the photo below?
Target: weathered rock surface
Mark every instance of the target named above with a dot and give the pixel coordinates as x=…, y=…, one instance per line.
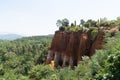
x=67, y=48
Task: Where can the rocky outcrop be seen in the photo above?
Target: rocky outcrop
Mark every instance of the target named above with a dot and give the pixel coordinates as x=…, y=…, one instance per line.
x=58, y=47
x=67, y=48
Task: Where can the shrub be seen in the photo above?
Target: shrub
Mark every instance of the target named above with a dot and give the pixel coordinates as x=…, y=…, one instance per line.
x=111, y=69
x=39, y=72
x=61, y=28
x=94, y=34
x=66, y=74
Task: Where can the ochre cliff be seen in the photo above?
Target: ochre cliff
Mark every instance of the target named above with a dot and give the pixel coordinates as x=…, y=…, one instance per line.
x=67, y=48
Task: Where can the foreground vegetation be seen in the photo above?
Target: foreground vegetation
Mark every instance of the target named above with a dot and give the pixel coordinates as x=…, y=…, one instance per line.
x=23, y=59
x=18, y=57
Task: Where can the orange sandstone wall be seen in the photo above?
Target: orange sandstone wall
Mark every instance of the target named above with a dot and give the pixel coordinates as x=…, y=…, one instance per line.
x=67, y=48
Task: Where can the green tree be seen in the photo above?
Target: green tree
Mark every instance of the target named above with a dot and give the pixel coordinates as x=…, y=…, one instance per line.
x=65, y=22
x=62, y=24
x=82, y=22
x=59, y=23
x=89, y=23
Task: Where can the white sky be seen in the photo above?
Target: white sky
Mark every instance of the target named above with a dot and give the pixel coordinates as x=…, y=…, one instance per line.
x=38, y=17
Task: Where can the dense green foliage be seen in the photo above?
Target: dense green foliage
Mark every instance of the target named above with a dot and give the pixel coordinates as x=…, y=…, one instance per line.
x=19, y=56
x=23, y=59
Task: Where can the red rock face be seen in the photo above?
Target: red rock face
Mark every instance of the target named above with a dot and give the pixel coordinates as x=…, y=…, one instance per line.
x=70, y=55
x=67, y=48
x=59, y=42
x=98, y=42
x=84, y=45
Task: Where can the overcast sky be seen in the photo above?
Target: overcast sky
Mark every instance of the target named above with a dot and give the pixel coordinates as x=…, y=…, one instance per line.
x=38, y=17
